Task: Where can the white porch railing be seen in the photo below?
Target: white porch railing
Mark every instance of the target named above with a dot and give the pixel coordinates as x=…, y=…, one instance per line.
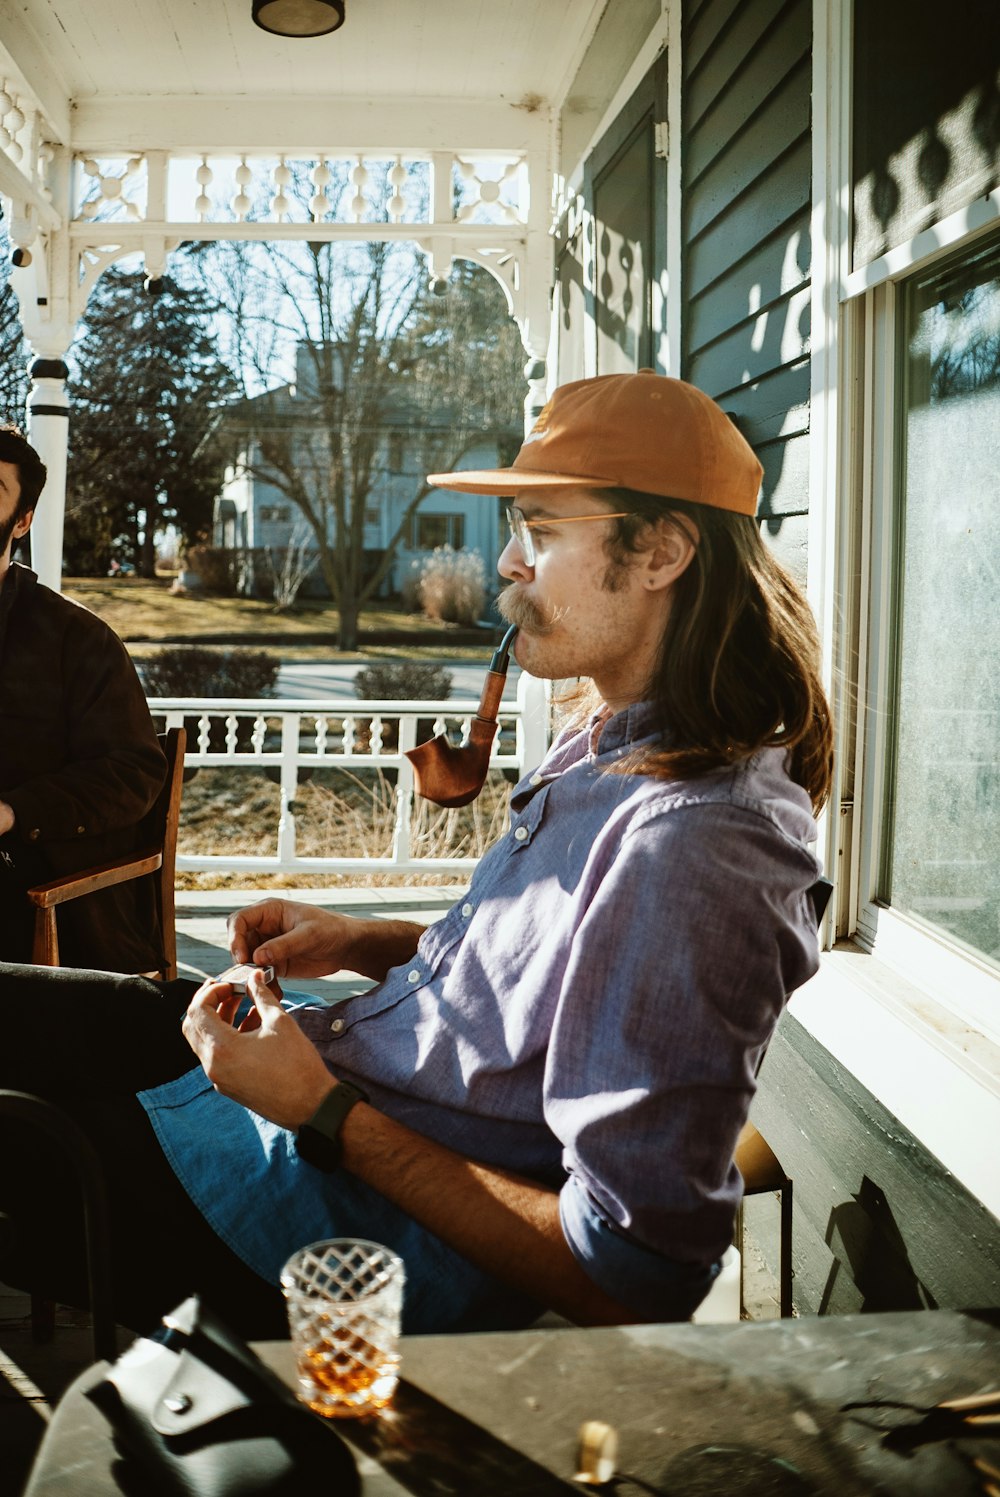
x=287, y=736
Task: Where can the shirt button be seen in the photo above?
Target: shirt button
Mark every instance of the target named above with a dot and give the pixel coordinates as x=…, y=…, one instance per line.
x=34, y=834
x=536, y=779
x=337, y=1025
x=413, y=976
x=80, y=831
x=521, y=834
x=467, y=910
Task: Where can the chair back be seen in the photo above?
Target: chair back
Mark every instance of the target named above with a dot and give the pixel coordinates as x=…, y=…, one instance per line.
x=160, y=826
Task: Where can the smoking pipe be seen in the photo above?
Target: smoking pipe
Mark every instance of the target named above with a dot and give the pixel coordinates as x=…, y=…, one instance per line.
x=451, y=776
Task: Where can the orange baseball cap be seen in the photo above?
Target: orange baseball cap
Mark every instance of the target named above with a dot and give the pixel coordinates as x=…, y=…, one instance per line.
x=641, y=431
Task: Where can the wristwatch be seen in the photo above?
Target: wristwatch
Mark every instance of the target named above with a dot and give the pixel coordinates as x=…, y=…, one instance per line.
x=318, y=1139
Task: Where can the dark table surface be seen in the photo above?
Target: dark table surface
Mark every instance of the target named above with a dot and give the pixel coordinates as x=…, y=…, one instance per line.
x=743, y=1409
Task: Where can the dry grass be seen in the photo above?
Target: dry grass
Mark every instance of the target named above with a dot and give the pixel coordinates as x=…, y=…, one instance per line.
x=338, y=813
x=145, y=614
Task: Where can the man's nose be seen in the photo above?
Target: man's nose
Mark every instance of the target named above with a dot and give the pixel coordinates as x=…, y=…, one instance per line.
x=512, y=564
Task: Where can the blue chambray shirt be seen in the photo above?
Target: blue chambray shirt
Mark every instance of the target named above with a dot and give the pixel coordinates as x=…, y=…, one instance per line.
x=590, y=1015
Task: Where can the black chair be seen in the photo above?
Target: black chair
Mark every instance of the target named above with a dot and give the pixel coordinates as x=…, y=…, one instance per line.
x=60, y=1127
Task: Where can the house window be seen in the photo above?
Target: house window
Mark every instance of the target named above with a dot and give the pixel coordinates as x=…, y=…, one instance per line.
x=940, y=863
x=430, y=531
x=274, y=514
x=397, y=447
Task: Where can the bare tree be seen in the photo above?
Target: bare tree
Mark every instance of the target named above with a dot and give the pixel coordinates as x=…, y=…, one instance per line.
x=290, y=566
x=372, y=339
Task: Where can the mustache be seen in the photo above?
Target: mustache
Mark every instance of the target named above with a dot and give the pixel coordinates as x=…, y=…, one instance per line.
x=519, y=610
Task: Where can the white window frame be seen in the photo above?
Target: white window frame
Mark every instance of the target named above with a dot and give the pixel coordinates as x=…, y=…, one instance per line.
x=911, y=1016
x=960, y=982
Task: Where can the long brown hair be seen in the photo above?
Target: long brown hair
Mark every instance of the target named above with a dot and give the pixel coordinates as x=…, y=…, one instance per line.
x=739, y=664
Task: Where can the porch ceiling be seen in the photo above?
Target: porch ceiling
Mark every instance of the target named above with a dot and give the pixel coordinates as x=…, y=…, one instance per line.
x=197, y=75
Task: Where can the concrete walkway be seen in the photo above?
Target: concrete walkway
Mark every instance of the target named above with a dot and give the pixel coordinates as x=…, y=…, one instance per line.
x=335, y=678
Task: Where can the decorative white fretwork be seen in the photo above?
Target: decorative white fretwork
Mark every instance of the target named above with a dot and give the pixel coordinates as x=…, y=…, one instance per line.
x=325, y=188
x=203, y=203
x=111, y=191
x=360, y=180
x=241, y=203
x=12, y=121
x=483, y=197
x=322, y=176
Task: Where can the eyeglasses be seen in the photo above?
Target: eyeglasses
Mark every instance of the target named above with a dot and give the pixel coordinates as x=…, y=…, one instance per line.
x=521, y=527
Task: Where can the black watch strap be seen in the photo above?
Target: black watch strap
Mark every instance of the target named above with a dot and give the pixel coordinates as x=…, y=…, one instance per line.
x=318, y=1139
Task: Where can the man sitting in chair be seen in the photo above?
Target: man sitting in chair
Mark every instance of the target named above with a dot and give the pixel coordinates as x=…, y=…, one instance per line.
x=80, y=764
x=538, y=1103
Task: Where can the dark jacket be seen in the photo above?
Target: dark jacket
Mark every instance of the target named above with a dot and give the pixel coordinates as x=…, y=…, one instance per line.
x=79, y=764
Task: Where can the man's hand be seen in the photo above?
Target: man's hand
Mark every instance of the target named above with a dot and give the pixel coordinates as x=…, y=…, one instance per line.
x=268, y=1064
x=6, y=818
x=298, y=940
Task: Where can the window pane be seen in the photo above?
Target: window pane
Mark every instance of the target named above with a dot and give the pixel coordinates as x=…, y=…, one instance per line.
x=945, y=863
x=430, y=531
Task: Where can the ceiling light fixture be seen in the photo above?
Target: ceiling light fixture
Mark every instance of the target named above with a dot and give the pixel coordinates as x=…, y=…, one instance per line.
x=299, y=17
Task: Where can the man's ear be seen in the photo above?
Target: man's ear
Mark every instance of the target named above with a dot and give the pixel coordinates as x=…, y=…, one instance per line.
x=23, y=525
x=671, y=553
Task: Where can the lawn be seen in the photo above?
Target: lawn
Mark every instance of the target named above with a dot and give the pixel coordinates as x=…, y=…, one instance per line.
x=146, y=614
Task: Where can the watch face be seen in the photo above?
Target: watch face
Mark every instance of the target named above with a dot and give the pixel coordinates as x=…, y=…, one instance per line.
x=318, y=1149
x=318, y=1140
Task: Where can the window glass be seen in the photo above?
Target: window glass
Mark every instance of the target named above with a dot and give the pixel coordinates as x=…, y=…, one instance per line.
x=431, y=531
x=944, y=805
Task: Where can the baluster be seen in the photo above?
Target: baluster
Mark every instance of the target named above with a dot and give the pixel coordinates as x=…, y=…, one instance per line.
x=402, y=830
x=289, y=786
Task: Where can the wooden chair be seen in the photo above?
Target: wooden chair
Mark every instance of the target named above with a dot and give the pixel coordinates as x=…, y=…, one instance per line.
x=760, y=1167
x=158, y=854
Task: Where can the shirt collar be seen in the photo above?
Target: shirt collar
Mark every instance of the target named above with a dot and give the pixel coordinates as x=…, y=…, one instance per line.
x=622, y=731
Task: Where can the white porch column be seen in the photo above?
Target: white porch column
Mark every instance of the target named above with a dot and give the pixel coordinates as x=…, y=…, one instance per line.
x=48, y=432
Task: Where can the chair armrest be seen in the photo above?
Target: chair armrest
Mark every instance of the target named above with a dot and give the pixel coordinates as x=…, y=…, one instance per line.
x=89, y=880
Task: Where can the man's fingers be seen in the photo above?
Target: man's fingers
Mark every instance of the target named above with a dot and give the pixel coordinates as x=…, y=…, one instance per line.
x=264, y=999
x=250, y=927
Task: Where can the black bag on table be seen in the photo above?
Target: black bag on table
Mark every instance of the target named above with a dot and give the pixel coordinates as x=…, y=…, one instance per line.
x=199, y=1415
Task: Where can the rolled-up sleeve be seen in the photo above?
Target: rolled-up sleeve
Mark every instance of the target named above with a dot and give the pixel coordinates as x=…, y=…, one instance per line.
x=697, y=930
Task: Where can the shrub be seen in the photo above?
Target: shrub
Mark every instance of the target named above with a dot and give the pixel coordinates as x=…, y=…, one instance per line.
x=409, y=680
x=453, y=586
x=197, y=671
x=214, y=566
x=402, y=680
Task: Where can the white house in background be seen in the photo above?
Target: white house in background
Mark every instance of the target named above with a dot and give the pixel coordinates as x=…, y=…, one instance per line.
x=253, y=515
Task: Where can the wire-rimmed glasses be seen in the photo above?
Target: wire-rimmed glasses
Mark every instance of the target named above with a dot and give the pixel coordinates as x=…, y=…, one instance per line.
x=521, y=527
